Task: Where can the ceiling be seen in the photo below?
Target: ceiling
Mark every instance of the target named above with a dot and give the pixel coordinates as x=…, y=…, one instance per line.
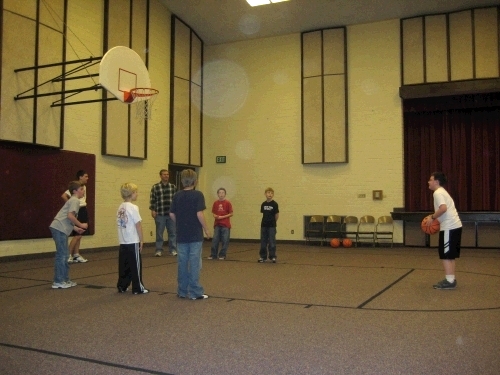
x=223, y=21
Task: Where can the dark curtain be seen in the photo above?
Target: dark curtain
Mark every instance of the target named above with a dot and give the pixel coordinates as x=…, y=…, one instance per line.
x=459, y=136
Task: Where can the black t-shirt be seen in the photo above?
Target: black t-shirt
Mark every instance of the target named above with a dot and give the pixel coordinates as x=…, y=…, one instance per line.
x=269, y=211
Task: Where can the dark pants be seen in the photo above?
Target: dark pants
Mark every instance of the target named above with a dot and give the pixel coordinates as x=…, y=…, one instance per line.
x=130, y=267
x=267, y=242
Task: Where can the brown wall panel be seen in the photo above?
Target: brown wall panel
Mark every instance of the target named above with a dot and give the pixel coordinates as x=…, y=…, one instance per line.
x=436, y=49
x=139, y=25
x=117, y=129
x=182, y=50
x=333, y=51
x=312, y=125
x=311, y=54
x=196, y=136
x=196, y=60
x=335, y=119
x=119, y=23
x=413, y=51
x=180, y=122
x=461, y=59
x=16, y=118
x=486, y=42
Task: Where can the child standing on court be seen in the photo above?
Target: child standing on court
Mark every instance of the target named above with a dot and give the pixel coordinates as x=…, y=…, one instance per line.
x=222, y=211
x=270, y=215
x=61, y=227
x=131, y=242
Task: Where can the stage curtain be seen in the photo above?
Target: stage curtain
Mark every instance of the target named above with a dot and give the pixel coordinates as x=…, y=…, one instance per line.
x=457, y=135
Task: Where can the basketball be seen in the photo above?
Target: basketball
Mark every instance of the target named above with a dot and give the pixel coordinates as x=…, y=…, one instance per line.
x=433, y=228
x=346, y=242
x=335, y=242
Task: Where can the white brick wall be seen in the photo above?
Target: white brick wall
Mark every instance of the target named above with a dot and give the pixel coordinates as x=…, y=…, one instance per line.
x=261, y=137
x=269, y=125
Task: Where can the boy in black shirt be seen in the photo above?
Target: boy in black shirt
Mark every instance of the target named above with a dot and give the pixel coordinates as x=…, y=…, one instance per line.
x=270, y=215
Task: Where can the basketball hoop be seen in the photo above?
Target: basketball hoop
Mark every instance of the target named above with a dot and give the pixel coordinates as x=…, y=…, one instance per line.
x=143, y=98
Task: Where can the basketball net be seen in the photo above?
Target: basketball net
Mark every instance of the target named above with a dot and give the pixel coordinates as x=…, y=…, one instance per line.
x=144, y=103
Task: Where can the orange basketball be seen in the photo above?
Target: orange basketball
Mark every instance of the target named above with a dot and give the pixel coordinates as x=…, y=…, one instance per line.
x=346, y=242
x=433, y=228
x=335, y=242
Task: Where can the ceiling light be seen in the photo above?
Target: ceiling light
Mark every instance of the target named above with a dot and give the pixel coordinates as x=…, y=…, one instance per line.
x=255, y=3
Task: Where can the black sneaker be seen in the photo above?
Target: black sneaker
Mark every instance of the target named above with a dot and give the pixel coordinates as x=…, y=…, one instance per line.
x=445, y=284
x=274, y=260
x=179, y=296
x=261, y=260
x=144, y=291
x=203, y=296
x=121, y=290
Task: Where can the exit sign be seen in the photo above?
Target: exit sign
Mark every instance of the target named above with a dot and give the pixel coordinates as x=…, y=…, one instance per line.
x=220, y=159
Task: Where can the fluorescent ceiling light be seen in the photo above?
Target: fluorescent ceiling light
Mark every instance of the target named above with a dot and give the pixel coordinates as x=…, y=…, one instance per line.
x=255, y=3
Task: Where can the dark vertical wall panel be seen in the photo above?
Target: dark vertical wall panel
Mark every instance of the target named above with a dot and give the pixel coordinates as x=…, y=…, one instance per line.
x=33, y=180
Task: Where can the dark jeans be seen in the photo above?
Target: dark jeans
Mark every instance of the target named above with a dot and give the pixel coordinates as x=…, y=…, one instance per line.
x=267, y=242
x=221, y=234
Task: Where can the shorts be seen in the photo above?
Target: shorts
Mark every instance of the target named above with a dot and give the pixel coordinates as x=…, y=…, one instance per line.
x=83, y=217
x=449, y=243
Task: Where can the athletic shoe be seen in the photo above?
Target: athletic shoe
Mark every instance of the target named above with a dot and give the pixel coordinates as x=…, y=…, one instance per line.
x=173, y=253
x=70, y=259
x=179, y=296
x=71, y=283
x=121, y=290
x=143, y=292
x=210, y=257
x=62, y=285
x=274, y=260
x=203, y=296
x=445, y=284
x=261, y=260
x=222, y=258
x=158, y=254
x=79, y=259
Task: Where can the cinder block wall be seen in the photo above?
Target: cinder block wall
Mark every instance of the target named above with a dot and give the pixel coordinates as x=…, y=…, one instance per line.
x=260, y=132
x=257, y=126
x=83, y=131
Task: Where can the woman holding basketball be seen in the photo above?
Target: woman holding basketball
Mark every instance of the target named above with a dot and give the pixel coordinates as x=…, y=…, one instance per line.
x=450, y=233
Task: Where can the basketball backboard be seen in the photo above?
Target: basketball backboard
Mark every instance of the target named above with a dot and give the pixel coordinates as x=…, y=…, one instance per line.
x=121, y=70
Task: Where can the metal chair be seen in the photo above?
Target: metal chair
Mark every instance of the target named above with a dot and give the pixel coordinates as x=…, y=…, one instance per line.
x=332, y=228
x=384, y=229
x=350, y=228
x=315, y=229
x=366, y=229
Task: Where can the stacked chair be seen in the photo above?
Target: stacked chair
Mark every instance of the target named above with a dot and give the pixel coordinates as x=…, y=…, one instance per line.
x=366, y=230
x=384, y=230
x=332, y=228
x=350, y=229
x=315, y=229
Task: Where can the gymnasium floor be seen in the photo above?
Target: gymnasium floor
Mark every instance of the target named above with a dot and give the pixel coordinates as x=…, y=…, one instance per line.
x=317, y=311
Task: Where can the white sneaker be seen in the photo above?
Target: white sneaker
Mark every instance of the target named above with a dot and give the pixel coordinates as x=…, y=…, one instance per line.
x=203, y=296
x=79, y=259
x=62, y=285
x=70, y=283
x=70, y=259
